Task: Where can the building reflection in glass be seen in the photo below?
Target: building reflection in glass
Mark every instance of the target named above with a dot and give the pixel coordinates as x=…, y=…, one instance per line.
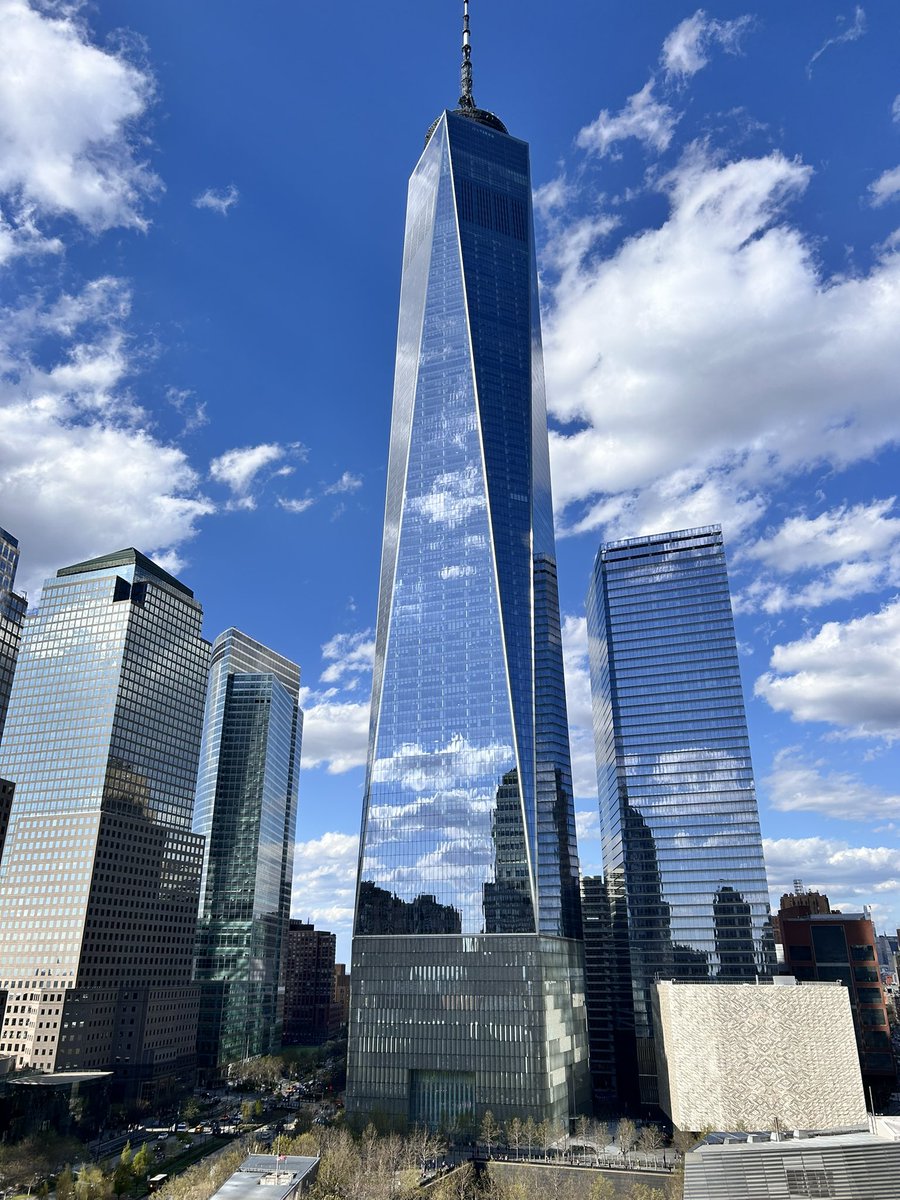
x=681, y=841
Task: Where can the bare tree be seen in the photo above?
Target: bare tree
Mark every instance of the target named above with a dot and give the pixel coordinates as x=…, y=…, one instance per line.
x=515, y=1131
x=626, y=1136
x=490, y=1131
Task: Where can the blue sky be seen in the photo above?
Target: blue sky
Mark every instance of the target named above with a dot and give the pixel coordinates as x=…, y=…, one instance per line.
x=202, y=216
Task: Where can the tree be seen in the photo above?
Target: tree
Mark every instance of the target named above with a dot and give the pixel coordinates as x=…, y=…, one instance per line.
x=515, y=1131
x=626, y=1136
x=490, y=1131
x=683, y=1141
x=92, y=1184
x=651, y=1139
x=123, y=1175
x=141, y=1163
x=640, y=1191
x=530, y=1133
x=65, y=1184
x=602, y=1188
x=190, y=1111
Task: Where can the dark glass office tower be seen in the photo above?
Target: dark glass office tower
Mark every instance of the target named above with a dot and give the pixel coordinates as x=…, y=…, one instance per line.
x=12, y=614
x=682, y=851
x=100, y=876
x=468, y=989
x=246, y=809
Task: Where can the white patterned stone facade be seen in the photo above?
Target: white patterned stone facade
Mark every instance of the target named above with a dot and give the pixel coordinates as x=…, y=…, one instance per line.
x=757, y=1056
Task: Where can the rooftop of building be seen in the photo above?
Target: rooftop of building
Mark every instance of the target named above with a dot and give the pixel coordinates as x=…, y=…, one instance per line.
x=790, y=1143
x=61, y=1079
x=278, y=1177
x=125, y=558
x=8, y=537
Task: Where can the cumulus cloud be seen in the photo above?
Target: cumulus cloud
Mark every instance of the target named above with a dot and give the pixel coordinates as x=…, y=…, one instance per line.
x=687, y=48
x=862, y=539
x=348, y=654
x=851, y=33
x=850, y=876
x=218, y=201
x=644, y=117
x=67, y=116
x=706, y=359
x=578, y=702
x=335, y=732
x=240, y=469
x=847, y=675
x=797, y=785
x=325, y=881
x=886, y=187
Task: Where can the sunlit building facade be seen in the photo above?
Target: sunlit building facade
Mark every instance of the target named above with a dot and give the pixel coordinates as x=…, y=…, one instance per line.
x=100, y=875
x=682, y=849
x=467, y=972
x=246, y=810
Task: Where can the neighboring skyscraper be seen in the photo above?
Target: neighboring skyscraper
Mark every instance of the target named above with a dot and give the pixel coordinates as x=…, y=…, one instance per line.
x=468, y=987
x=100, y=877
x=842, y=946
x=12, y=614
x=310, y=1012
x=246, y=809
x=798, y=903
x=682, y=850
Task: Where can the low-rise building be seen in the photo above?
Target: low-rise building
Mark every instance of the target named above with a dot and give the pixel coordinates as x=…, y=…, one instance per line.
x=841, y=1167
x=757, y=1056
x=270, y=1177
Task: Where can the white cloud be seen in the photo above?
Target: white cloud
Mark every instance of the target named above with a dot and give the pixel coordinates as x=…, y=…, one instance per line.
x=687, y=48
x=239, y=469
x=886, y=187
x=846, y=674
x=705, y=360
x=298, y=505
x=220, y=201
x=644, y=117
x=67, y=109
x=452, y=497
x=797, y=785
x=80, y=471
x=895, y=110
x=324, y=885
x=840, y=535
x=850, y=876
x=578, y=703
x=348, y=654
x=335, y=733
x=348, y=482
x=851, y=34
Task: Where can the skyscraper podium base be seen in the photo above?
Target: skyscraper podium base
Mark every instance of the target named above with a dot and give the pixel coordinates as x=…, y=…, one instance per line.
x=445, y=1027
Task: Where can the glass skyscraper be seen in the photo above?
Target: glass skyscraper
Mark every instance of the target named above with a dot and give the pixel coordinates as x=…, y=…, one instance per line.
x=99, y=881
x=682, y=851
x=467, y=977
x=12, y=614
x=246, y=809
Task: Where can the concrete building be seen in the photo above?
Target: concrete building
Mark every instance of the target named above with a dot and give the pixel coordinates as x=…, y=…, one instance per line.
x=310, y=1012
x=280, y=1178
x=100, y=875
x=856, y=1166
x=757, y=1056
x=842, y=946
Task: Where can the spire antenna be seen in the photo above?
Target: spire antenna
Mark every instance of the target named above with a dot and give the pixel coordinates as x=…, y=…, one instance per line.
x=466, y=101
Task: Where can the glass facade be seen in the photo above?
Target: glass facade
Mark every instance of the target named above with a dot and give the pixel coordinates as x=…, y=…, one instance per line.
x=682, y=850
x=100, y=879
x=246, y=809
x=12, y=615
x=468, y=824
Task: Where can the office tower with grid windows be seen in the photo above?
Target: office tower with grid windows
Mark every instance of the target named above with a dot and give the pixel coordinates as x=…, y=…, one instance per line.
x=100, y=877
x=467, y=973
x=246, y=810
x=12, y=615
x=682, y=851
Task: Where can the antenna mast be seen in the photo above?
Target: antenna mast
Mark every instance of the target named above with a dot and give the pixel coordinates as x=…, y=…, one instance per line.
x=465, y=100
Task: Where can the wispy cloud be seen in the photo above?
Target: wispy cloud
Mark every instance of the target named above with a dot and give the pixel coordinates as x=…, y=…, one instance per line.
x=886, y=187
x=348, y=655
x=644, y=117
x=851, y=33
x=687, y=48
x=221, y=201
x=240, y=469
x=348, y=482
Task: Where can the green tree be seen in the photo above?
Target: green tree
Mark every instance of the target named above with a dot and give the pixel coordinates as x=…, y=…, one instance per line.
x=602, y=1188
x=257, y=1110
x=92, y=1184
x=142, y=1162
x=123, y=1175
x=190, y=1110
x=65, y=1184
